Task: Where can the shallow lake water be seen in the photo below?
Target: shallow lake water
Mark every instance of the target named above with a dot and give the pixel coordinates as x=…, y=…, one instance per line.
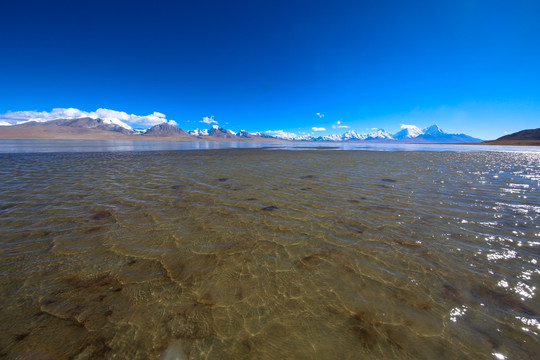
x=270, y=254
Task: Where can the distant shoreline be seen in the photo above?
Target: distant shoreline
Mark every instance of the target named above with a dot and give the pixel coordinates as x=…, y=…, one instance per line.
x=511, y=142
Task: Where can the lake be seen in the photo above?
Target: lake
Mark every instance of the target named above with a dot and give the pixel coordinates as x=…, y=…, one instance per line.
x=260, y=252
x=14, y=146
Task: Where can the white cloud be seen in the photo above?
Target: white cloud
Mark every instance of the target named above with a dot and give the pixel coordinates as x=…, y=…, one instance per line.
x=147, y=120
x=282, y=134
x=318, y=128
x=4, y=123
x=114, y=116
x=320, y=115
x=173, y=123
x=209, y=120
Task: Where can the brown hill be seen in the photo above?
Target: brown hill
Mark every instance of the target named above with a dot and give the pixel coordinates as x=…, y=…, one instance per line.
x=166, y=130
x=83, y=123
x=523, y=137
x=96, y=129
x=41, y=131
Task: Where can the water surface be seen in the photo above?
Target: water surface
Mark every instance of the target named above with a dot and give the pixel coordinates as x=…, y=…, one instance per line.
x=55, y=145
x=270, y=254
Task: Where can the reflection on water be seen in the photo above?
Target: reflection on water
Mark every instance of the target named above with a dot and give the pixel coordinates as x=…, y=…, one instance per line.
x=48, y=146
x=270, y=254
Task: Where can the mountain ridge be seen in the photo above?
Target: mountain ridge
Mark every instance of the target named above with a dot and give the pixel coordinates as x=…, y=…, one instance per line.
x=165, y=130
x=522, y=137
x=408, y=134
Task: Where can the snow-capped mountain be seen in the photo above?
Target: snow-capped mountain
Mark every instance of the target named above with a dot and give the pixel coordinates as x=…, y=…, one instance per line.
x=379, y=135
x=431, y=134
x=218, y=131
x=248, y=135
x=283, y=135
x=114, y=125
x=333, y=137
x=244, y=134
x=86, y=121
x=352, y=135
x=433, y=130
x=408, y=132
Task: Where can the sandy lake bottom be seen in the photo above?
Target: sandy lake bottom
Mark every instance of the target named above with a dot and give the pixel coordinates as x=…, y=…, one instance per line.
x=270, y=254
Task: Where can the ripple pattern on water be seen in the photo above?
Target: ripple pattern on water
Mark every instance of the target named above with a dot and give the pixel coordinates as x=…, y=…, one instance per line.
x=265, y=254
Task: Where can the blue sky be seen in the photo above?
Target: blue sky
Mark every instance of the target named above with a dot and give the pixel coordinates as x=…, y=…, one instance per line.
x=469, y=66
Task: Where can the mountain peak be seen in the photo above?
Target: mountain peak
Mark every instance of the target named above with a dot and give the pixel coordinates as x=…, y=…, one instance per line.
x=408, y=132
x=433, y=130
x=244, y=134
x=218, y=131
x=379, y=134
x=352, y=135
x=164, y=129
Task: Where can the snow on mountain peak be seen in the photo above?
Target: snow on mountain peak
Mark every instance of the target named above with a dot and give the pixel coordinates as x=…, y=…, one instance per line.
x=353, y=135
x=115, y=121
x=246, y=134
x=433, y=130
x=408, y=131
x=332, y=137
x=109, y=117
x=280, y=134
x=380, y=134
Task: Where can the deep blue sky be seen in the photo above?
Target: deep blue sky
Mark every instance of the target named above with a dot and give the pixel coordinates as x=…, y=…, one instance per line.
x=469, y=66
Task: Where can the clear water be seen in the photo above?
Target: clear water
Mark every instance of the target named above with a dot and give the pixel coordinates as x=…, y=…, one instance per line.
x=270, y=254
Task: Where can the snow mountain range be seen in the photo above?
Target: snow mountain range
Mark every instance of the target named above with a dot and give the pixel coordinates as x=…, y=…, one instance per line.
x=408, y=133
